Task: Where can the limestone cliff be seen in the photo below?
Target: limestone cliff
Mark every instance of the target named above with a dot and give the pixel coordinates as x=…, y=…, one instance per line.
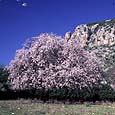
x=96, y=34
x=97, y=37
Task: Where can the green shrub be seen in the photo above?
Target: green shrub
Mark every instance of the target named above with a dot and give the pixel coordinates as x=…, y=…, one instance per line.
x=106, y=93
x=3, y=78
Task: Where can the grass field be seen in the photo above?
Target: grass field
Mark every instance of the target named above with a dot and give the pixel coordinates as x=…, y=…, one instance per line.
x=27, y=107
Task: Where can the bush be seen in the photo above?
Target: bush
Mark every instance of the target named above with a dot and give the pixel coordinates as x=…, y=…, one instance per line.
x=106, y=93
x=3, y=83
x=55, y=67
x=3, y=78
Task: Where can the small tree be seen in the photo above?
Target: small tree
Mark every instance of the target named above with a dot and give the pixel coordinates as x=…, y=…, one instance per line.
x=51, y=62
x=3, y=78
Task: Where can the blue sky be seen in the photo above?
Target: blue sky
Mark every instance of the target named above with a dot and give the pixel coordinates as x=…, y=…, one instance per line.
x=18, y=23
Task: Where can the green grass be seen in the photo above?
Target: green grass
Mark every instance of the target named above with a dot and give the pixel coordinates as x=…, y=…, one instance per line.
x=27, y=107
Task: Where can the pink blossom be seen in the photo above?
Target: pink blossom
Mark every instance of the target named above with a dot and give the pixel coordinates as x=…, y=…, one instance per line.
x=50, y=61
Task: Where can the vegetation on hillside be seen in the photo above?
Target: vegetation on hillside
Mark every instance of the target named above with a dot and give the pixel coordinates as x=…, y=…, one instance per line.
x=103, y=23
x=49, y=67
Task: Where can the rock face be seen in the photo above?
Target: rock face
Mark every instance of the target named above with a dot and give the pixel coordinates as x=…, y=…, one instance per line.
x=96, y=34
x=67, y=35
x=98, y=37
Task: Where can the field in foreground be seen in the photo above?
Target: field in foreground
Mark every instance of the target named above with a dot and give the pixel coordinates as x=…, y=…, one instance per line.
x=27, y=107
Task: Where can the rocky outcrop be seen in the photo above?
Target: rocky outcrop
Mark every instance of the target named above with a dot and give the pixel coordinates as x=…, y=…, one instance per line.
x=96, y=34
x=67, y=36
x=98, y=37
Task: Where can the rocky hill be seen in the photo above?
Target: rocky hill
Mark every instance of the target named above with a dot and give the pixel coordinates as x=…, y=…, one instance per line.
x=97, y=33
x=98, y=37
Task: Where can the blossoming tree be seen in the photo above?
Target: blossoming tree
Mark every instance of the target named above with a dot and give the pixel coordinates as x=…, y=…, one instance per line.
x=48, y=61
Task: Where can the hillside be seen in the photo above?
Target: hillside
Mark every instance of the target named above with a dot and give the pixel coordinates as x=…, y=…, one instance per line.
x=98, y=37
x=97, y=33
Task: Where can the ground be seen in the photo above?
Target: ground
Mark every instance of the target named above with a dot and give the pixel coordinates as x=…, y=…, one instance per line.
x=28, y=107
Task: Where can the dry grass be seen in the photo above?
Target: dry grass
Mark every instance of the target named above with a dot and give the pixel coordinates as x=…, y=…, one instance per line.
x=27, y=107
